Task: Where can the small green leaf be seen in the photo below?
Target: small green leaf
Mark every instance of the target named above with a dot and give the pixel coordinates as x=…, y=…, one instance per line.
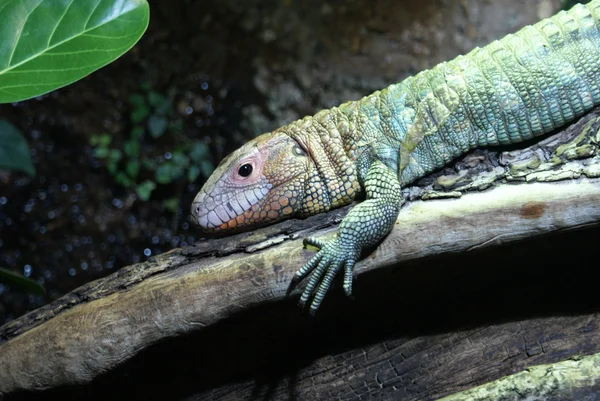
x=207, y=168
x=101, y=140
x=168, y=172
x=171, y=204
x=137, y=133
x=14, y=151
x=101, y=152
x=20, y=282
x=105, y=139
x=47, y=44
x=199, y=152
x=131, y=148
x=137, y=101
x=123, y=179
x=177, y=126
x=180, y=159
x=144, y=190
x=149, y=164
x=161, y=104
x=132, y=168
x=157, y=126
x=163, y=173
x=112, y=167
x=115, y=155
x=139, y=114
x=193, y=173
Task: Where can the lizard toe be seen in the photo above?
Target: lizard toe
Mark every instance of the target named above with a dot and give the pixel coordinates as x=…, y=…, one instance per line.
x=348, y=268
x=316, y=272
x=334, y=266
x=314, y=242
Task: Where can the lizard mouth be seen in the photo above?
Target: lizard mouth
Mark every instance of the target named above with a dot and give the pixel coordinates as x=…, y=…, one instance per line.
x=226, y=211
x=251, y=207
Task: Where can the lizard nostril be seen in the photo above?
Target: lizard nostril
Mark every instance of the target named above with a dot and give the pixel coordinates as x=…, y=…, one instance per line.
x=198, y=210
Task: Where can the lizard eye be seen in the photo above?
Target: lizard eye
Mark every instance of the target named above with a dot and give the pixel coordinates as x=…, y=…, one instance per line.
x=298, y=151
x=245, y=170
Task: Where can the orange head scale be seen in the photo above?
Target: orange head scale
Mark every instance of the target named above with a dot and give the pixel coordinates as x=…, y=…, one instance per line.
x=262, y=182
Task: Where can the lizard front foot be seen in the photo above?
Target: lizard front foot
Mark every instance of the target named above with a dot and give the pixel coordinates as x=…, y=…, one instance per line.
x=323, y=267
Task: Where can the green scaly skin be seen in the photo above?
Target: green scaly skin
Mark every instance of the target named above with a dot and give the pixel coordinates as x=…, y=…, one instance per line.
x=520, y=87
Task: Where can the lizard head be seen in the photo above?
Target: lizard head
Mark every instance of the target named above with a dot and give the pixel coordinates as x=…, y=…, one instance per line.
x=260, y=183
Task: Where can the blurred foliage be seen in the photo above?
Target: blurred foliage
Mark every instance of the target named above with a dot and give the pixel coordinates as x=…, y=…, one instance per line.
x=14, y=155
x=20, y=282
x=135, y=166
x=47, y=44
x=14, y=151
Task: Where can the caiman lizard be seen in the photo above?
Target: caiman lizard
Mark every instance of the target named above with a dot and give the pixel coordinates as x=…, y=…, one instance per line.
x=522, y=86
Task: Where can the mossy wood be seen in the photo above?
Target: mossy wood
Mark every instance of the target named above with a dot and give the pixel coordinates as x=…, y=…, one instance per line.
x=449, y=311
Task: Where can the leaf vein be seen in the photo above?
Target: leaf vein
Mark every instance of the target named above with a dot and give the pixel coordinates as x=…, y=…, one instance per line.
x=85, y=67
x=58, y=23
x=106, y=37
x=81, y=52
x=6, y=4
x=12, y=53
x=56, y=45
x=91, y=14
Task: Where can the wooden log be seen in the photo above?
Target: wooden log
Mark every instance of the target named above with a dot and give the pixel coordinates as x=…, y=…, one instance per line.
x=213, y=320
x=573, y=379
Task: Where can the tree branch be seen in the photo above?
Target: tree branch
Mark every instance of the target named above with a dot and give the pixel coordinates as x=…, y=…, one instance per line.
x=487, y=198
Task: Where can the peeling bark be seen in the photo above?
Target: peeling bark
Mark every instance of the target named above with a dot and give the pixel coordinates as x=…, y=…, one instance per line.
x=573, y=379
x=213, y=320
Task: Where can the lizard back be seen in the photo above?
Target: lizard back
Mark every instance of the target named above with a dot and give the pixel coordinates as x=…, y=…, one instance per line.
x=524, y=85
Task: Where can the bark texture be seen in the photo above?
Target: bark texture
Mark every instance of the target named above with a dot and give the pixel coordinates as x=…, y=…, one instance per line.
x=213, y=320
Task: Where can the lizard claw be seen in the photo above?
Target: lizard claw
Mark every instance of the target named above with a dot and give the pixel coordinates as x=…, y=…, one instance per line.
x=322, y=268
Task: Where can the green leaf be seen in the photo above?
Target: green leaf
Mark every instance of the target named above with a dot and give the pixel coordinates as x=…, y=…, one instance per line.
x=157, y=126
x=101, y=152
x=207, y=168
x=167, y=173
x=163, y=173
x=171, y=204
x=180, y=159
x=140, y=109
x=115, y=155
x=112, y=167
x=161, y=103
x=14, y=151
x=132, y=168
x=47, y=44
x=20, y=282
x=193, y=173
x=123, y=179
x=177, y=126
x=144, y=190
x=136, y=101
x=137, y=133
x=131, y=148
x=199, y=152
x=101, y=140
x=149, y=164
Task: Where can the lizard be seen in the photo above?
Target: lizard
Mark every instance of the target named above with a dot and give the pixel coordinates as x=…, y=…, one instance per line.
x=522, y=86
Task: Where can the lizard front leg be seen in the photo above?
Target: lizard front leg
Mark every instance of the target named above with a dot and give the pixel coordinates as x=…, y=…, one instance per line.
x=363, y=227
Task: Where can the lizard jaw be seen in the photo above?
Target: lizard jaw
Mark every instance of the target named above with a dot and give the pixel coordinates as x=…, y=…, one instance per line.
x=227, y=211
